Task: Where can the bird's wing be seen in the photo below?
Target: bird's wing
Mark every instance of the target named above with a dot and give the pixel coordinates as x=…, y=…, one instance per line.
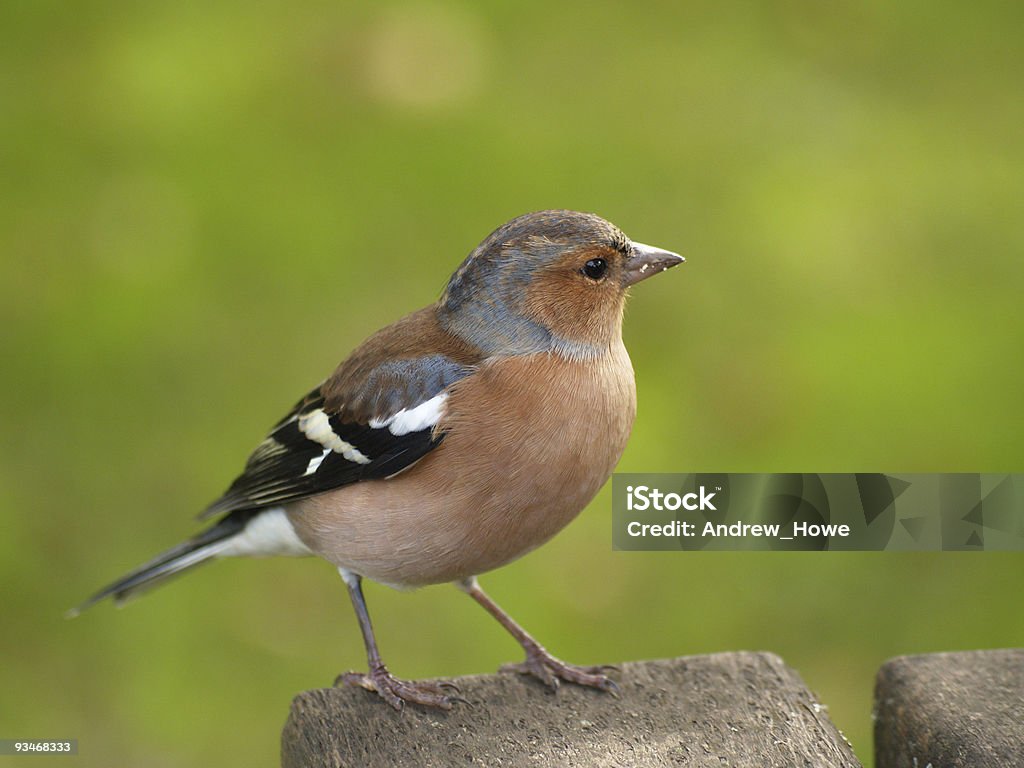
x=367, y=421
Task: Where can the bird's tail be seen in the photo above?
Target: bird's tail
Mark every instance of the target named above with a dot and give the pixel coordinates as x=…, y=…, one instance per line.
x=215, y=540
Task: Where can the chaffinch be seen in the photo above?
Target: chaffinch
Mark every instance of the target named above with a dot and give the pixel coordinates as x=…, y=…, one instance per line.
x=453, y=441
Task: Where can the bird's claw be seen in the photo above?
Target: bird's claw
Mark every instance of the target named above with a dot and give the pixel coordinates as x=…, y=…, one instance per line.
x=551, y=671
x=395, y=692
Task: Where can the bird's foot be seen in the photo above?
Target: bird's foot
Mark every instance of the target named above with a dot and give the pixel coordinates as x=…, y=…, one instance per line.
x=541, y=664
x=396, y=692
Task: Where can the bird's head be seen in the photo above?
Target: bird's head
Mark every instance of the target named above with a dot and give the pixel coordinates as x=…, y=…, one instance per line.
x=550, y=280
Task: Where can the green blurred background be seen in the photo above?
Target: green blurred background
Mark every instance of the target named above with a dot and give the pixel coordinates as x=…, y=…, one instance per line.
x=207, y=205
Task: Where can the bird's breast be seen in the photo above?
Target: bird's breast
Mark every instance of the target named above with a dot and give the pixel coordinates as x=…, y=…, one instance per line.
x=529, y=441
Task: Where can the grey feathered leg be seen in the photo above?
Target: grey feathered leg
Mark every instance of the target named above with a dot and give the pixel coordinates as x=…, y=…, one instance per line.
x=539, y=662
x=394, y=691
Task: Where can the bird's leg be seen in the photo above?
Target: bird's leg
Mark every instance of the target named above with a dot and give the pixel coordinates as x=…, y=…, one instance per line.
x=539, y=662
x=394, y=691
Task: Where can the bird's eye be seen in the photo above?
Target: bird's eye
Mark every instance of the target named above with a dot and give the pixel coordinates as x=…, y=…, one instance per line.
x=595, y=269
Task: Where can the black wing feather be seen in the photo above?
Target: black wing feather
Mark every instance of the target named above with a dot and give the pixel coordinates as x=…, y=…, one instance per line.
x=278, y=471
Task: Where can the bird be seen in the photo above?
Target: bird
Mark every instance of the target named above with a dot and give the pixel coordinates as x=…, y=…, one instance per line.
x=451, y=442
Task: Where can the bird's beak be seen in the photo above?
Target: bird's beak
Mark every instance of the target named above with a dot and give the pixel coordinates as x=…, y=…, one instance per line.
x=648, y=260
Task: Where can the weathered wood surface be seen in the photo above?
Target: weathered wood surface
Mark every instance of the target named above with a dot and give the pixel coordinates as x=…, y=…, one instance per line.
x=951, y=710
x=734, y=709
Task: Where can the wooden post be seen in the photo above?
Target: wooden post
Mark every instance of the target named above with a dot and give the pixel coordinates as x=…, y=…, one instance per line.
x=951, y=710
x=732, y=709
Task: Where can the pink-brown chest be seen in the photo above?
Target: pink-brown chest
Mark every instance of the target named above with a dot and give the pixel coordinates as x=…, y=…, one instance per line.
x=528, y=443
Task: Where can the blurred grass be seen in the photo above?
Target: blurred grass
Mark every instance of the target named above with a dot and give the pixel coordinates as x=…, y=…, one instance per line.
x=206, y=206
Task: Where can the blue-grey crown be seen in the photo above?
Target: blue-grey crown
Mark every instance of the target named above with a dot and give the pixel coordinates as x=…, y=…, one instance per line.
x=483, y=302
